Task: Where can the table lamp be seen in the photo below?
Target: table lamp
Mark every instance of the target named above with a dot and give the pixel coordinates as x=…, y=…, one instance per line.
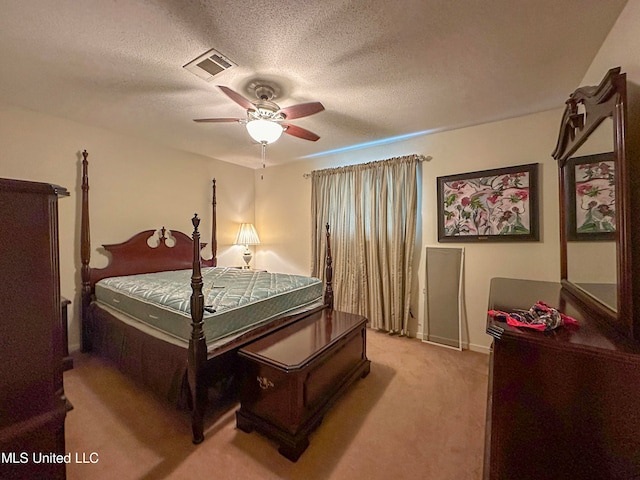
x=246, y=236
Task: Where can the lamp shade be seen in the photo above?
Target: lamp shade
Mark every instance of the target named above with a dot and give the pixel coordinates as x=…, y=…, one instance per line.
x=247, y=235
x=264, y=131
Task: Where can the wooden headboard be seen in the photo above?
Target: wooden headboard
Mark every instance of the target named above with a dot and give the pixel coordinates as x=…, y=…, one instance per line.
x=137, y=256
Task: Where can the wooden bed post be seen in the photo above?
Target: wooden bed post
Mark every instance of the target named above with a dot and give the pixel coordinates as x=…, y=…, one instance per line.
x=214, y=227
x=197, y=342
x=213, y=261
x=328, y=275
x=85, y=257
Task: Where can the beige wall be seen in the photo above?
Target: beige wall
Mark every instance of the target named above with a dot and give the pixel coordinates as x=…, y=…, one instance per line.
x=284, y=223
x=134, y=186
x=620, y=49
x=283, y=197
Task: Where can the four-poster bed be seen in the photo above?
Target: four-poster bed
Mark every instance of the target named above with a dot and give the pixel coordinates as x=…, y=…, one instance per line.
x=182, y=355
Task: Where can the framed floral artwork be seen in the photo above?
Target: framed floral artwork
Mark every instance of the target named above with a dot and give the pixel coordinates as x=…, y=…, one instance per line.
x=591, y=197
x=489, y=205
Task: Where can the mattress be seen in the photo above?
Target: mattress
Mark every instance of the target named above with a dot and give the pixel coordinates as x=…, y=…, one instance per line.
x=235, y=300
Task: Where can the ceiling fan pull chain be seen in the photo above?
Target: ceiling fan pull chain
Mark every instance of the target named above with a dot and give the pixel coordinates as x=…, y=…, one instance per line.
x=264, y=157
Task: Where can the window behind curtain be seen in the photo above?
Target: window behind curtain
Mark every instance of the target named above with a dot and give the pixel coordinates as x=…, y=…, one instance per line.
x=372, y=210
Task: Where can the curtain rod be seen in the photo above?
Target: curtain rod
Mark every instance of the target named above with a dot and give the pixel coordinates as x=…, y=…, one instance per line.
x=420, y=158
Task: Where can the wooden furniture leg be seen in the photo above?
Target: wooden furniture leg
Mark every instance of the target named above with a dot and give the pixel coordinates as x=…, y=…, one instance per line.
x=67, y=361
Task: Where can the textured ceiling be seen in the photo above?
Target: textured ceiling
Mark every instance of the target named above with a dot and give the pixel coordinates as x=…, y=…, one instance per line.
x=381, y=68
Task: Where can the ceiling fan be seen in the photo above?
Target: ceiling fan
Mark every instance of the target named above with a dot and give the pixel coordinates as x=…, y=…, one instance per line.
x=265, y=120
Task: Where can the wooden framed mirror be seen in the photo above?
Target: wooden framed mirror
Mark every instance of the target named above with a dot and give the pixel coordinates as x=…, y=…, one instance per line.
x=596, y=237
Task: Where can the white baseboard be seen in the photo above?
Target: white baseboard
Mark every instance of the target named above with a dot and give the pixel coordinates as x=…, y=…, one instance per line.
x=465, y=345
x=478, y=348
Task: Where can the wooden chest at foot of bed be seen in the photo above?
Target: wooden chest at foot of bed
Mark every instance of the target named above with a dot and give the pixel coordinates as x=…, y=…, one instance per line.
x=294, y=375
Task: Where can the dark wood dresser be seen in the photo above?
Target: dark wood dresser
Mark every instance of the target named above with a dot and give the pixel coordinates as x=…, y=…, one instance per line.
x=32, y=403
x=563, y=404
x=294, y=375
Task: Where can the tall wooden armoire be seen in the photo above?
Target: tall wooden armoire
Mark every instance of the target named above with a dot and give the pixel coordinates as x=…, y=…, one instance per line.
x=32, y=403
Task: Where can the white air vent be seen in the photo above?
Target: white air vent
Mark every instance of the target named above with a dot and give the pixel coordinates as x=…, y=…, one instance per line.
x=208, y=65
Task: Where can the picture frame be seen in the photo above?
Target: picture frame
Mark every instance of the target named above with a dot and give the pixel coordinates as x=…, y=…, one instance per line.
x=590, y=197
x=498, y=205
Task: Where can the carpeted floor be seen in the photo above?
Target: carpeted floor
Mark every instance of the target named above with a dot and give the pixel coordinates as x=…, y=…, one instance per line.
x=419, y=414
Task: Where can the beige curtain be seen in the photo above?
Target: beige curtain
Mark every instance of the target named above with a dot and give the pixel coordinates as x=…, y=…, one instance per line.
x=371, y=209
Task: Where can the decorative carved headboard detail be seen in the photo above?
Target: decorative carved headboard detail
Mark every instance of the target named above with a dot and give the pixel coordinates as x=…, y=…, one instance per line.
x=137, y=256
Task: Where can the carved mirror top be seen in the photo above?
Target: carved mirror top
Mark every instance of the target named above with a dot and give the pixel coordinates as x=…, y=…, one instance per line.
x=586, y=108
x=594, y=216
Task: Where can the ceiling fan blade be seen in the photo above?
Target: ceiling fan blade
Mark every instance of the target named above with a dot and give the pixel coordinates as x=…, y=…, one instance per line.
x=299, y=132
x=218, y=120
x=301, y=110
x=236, y=97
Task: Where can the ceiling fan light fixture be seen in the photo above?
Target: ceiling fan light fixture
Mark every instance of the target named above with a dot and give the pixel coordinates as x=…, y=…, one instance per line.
x=264, y=131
